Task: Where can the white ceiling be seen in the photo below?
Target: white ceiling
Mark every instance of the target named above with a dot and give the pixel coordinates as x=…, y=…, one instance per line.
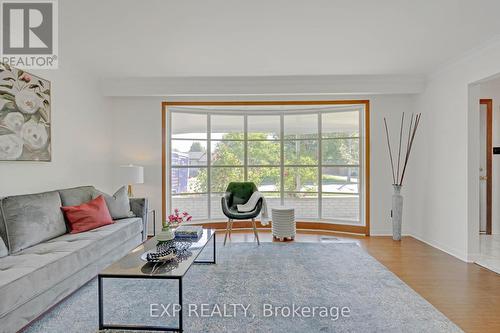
x=125, y=38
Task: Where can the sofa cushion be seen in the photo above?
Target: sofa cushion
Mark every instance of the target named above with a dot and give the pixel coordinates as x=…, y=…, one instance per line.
x=118, y=203
x=87, y=216
x=77, y=195
x=38, y=268
x=31, y=219
x=3, y=249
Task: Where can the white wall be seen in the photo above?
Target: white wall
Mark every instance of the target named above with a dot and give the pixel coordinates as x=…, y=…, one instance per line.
x=446, y=191
x=137, y=139
x=80, y=139
x=491, y=89
x=81, y=122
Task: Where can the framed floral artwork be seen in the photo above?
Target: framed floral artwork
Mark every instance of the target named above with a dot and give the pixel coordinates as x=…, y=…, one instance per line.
x=25, y=124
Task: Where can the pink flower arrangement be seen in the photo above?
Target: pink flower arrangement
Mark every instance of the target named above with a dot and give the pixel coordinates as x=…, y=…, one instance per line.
x=177, y=218
x=25, y=77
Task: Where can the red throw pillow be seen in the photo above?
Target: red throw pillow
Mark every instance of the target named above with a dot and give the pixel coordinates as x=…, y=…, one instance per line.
x=87, y=216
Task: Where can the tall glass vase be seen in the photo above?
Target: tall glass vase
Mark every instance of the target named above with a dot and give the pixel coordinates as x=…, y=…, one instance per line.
x=397, y=212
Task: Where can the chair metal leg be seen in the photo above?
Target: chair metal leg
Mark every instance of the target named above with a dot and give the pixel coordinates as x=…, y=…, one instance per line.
x=227, y=230
x=255, y=231
x=230, y=227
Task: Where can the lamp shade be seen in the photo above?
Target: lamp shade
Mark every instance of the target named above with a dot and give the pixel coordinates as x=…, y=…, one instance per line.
x=131, y=174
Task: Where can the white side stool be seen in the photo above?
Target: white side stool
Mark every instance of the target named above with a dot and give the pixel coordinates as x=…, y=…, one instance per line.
x=283, y=222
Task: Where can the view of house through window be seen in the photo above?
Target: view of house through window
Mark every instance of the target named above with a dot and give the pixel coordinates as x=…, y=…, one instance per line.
x=308, y=157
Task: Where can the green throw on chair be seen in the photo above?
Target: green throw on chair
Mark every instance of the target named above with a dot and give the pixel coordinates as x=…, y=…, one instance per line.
x=239, y=193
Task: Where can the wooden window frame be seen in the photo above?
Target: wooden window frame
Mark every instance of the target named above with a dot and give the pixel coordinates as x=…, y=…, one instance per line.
x=489, y=162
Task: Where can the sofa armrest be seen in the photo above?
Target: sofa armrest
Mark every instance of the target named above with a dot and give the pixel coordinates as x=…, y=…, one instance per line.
x=139, y=207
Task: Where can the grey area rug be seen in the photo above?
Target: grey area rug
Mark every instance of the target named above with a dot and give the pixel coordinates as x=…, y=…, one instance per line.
x=323, y=275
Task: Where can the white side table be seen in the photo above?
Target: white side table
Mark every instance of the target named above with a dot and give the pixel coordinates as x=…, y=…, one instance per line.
x=283, y=222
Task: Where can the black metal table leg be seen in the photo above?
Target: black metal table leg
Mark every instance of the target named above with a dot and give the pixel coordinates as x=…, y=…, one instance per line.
x=103, y=326
x=180, y=304
x=101, y=315
x=215, y=241
x=213, y=261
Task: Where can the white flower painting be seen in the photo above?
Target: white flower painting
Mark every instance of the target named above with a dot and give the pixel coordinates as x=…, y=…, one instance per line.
x=24, y=116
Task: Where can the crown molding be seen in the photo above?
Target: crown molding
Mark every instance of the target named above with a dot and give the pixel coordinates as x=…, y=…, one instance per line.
x=263, y=85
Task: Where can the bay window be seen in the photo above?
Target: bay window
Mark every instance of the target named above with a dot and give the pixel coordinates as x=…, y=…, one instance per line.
x=310, y=157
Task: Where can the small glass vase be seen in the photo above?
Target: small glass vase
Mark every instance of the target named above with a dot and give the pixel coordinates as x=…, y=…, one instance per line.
x=166, y=234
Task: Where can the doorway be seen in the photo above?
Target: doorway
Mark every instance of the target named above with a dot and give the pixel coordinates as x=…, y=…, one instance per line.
x=485, y=166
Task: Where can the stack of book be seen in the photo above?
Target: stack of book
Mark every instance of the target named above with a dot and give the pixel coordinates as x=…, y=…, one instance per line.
x=189, y=231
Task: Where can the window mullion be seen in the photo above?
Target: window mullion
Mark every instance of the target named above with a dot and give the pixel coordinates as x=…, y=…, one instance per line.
x=320, y=167
x=209, y=165
x=169, y=165
x=361, y=162
x=282, y=159
x=245, y=147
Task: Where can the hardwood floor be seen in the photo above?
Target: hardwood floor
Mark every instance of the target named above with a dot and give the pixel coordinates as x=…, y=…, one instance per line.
x=468, y=294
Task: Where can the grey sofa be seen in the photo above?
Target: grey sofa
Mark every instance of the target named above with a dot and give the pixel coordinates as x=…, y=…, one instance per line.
x=41, y=264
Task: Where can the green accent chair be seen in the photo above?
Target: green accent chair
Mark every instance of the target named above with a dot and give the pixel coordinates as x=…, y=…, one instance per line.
x=238, y=193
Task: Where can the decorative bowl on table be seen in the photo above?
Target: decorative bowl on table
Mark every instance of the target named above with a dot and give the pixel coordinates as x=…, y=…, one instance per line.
x=165, y=251
x=147, y=256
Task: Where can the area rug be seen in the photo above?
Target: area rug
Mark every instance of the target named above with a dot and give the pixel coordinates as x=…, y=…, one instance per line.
x=274, y=287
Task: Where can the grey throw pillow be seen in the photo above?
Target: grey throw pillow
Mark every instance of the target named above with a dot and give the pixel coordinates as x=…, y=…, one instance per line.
x=32, y=219
x=3, y=249
x=75, y=196
x=118, y=203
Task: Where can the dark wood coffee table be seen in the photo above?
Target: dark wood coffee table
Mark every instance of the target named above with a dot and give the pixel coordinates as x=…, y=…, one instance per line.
x=133, y=267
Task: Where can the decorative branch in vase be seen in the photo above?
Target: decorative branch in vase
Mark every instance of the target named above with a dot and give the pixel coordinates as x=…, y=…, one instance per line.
x=174, y=220
x=398, y=168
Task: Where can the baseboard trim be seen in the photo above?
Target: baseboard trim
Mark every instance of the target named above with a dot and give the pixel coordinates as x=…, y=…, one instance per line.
x=474, y=257
x=301, y=225
x=385, y=234
x=452, y=252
